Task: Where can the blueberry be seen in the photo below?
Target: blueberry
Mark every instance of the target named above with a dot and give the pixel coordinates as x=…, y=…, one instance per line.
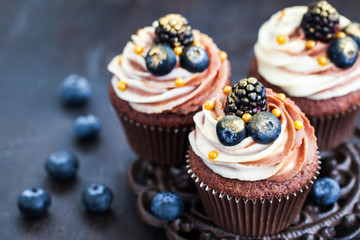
x=87, y=126
x=194, y=59
x=97, y=198
x=62, y=165
x=230, y=130
x=34, y=202
x=325, y=191
x=160, y=60
x=264, y=127
x=353, y=31
x=167, y=206
x=343, y=52
x=75, y=90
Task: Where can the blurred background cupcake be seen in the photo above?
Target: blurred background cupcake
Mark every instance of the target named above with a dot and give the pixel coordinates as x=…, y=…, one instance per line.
x=161, y=79
x=253, y=158
x=311, y=54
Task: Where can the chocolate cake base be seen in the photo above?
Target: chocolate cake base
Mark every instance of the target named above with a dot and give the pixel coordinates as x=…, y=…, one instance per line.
x=333, y=119
x=338, y=221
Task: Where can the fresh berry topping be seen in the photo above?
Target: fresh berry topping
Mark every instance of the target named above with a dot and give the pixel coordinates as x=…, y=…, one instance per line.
x=194, y=59
x=173, y=29
x=353, y=30
x=34, y=202
x=167, y=206
x=264, y=127
x=62, y=165
x=160, y=60
x=246, y=96
x=97, y=198
x=75, y=90
x=87, y=127
x=343, y=52
x=320, y=22
x=325, y=191
x=230, y=130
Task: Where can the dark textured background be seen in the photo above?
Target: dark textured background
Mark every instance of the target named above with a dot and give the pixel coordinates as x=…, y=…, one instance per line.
x=42, y=42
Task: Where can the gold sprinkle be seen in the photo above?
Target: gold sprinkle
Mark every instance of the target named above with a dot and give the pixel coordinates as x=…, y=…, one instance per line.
x=282, y=96
x=323, y=61
x=223, y=55
x=276, y=112
x=179, y=82
x=138, y=31
x=196, y=44
x=340, y=34
x=227, y=89
x=178, y=51
x=209, y=105
x=298, y=124
x=281, y=39
x=310, y=44
x=121, y=86
x=138, y=49
x=120, y=60
x=219, y=118
x=246, y=117
x=213, y=155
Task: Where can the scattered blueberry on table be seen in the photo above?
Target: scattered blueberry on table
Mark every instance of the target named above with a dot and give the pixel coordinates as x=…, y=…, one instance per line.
x=34, y=202
x=194, y=59
x=160, y=60
x=75, y=90
x=97, y=198
x=325, y=191
x=167, y=206
x=87, y=127
x=62, y=165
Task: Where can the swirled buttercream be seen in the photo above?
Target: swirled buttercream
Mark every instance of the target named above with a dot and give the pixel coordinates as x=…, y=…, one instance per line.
x=157, y=94
x=252, y=161
x=294, y=68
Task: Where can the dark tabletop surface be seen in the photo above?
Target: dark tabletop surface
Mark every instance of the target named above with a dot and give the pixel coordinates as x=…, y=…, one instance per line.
x=42, y=42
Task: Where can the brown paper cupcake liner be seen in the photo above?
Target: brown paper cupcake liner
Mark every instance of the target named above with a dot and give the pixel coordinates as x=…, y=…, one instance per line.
x=159, y=145
x=251, y=217
x=332, y=130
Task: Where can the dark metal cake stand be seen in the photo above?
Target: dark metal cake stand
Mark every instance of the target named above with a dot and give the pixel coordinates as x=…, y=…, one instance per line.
x=338, y=221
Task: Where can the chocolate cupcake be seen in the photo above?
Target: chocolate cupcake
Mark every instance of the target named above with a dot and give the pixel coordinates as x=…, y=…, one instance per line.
x=253, y=166
x=160, y=81
x=311, y=54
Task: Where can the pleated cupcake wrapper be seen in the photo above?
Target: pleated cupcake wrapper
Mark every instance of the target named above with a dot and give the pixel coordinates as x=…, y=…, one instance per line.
x=251, y=217
x=159, y=145
x=332, y=130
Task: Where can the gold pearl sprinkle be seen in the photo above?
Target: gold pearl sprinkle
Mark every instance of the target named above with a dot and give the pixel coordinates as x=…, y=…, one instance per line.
x=178, y=51
x=121, y=85
x=246, y=117
x=340, y=34
x=227, y=89
x=120, y=60
x=138, y=49
x=138, y=31
x=209, y=105
x=298, y=124
x=282, y=14
x=196, y=44
x=282, y=96
x=276, y=112
x=223, y=55
x=323, y=61
x=310, y=44
x=179, y=82
x=219, y=118
x=281, y=39
x=213, y=155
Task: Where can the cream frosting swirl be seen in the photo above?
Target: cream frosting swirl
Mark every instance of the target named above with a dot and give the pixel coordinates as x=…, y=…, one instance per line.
x=294, y=68
x=156, y=94
x=252, y=161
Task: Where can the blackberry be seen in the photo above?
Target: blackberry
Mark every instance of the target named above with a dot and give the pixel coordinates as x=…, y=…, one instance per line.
x=320, y=22
x=173, y=29
x=246, y=96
